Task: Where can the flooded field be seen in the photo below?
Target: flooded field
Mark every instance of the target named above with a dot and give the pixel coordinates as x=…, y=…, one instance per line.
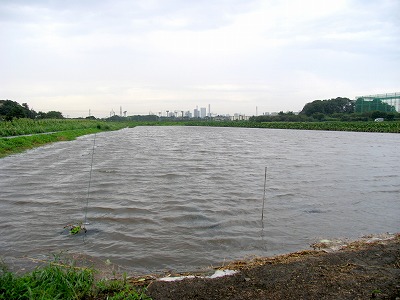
x=182, y=198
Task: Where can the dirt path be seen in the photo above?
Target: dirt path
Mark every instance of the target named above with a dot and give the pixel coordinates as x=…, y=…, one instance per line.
x=361, y=270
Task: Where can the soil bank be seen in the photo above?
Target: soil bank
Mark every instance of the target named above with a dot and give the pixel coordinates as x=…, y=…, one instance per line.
x=359, y=270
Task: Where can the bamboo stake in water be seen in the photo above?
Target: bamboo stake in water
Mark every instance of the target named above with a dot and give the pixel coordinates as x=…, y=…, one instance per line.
x=90, y=181
x=265, y=184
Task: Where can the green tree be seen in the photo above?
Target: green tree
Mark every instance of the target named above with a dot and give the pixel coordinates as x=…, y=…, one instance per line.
x=329, y=107
x=318, y=116
x=11, y=109
x=50, y=115
x=29, y=113
x=54, y=115
x=390, y=116
x=378, y=114
x=143, y=118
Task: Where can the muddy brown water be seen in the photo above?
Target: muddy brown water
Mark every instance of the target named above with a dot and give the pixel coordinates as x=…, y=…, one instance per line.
x=183, y=198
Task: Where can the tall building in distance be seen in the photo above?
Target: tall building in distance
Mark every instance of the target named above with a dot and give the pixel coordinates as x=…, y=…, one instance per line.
x=203, y=112
x=196, y=113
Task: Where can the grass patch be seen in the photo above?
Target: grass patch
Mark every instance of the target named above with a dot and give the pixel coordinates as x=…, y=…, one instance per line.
x=50, y=133
x=28, y=126
x=63, y=281
x=22, y=143
x=24, y=134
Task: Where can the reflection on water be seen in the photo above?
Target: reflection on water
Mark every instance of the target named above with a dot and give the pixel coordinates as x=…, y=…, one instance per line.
x=188, y=197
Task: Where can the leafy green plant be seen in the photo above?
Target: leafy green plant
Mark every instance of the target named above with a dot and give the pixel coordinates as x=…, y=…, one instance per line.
x=50, y=282
x=64, y=280
x=390, y=127
x=75, y=228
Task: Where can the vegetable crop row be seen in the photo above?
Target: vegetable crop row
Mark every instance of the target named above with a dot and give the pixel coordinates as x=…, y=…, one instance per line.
x=28, y=126
x=389, y=127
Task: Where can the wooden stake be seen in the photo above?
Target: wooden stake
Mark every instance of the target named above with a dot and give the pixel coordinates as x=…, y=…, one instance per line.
x=265, y=184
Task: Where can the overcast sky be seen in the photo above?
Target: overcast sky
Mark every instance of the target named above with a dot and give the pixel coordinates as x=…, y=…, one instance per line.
x=154, y=55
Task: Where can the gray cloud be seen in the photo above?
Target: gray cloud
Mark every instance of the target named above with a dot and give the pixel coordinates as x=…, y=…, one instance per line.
x=151, y=55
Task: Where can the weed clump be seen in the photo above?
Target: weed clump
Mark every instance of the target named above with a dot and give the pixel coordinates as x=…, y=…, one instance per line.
x=63, y=281
x=50, y=282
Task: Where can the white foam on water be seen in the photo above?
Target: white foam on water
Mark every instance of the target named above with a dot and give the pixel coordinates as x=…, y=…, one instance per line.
x=217, y=274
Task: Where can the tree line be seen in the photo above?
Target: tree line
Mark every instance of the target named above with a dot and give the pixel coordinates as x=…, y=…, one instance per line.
x=11, y=109
x=336, y=109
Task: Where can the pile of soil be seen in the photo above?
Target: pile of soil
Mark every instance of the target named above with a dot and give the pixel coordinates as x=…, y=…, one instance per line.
x=360, y=270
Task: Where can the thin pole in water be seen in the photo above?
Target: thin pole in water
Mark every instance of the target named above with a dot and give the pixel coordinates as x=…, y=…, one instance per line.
x=90, y=181
x=265, y=184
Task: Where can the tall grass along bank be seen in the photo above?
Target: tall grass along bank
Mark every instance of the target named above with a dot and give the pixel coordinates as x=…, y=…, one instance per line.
x=59, y=280
x=19, y=144
x=23, y=134
x=27, y=126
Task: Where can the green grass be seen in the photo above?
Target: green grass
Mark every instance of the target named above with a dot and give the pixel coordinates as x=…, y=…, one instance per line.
x=21, y=143
x=63, y=281
x=56, y=130
x=28, y=126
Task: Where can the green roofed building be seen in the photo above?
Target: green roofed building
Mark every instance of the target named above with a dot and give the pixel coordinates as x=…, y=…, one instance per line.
x=380, y=102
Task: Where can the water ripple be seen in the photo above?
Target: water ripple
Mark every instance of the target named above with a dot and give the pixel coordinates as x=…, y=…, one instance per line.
x=188, y=197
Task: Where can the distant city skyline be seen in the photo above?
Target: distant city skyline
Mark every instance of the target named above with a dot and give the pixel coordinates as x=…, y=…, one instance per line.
x=196, y=112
